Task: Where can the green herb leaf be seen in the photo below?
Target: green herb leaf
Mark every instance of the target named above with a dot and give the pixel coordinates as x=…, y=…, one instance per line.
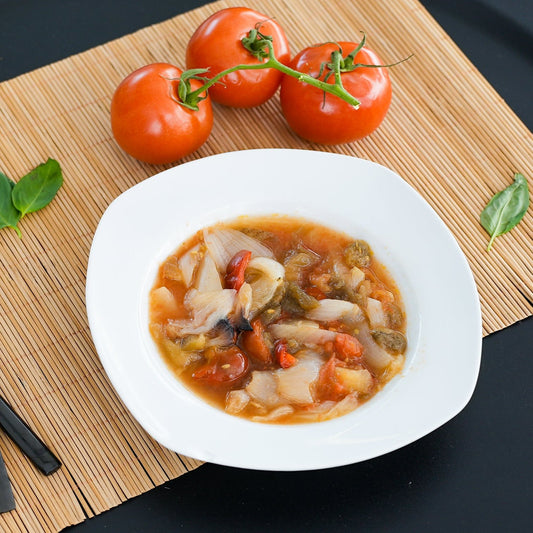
x=9, y=215
x=37, y=189
x=506, y=209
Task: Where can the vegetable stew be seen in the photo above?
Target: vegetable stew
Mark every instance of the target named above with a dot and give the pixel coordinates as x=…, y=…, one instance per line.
x=278, y=319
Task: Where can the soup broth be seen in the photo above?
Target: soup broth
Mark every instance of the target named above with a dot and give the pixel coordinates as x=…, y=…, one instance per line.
x=278, y=319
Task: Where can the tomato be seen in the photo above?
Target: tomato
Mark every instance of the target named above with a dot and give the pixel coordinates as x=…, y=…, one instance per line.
x=347, y=347
x=325, y=118
x=253, y=343
x=284, y=358
x=216, y=45
x=223, y=367
x=148, y=122
x=328, y=386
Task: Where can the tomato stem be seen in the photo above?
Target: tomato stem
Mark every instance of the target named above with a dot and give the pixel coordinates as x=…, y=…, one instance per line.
x=261, y=42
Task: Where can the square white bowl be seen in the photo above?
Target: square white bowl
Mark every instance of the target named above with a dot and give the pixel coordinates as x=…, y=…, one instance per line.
x=149, y=221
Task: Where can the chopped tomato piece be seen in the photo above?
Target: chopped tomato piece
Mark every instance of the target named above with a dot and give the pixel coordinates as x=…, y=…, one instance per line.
x=315, y=292
x=285, y=359
x=223, y=367
x=235, y=270
x=347, y=347
x=253, y=343
x=328, y=386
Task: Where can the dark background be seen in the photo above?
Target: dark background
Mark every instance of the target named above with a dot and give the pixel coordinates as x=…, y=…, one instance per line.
x=472, y=474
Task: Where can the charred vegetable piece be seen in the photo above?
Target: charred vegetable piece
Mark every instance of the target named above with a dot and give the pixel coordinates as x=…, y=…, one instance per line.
x=394, y=315
x=235, y=270
x=347, y=347
x=225, y=332
x=284, y=358
x=358, y=254
x=254, y=344
x=392, y=341
x=223, y=366
x=299, y=298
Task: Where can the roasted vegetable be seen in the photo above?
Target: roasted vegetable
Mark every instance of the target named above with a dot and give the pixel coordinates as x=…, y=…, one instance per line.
x=393, y=341
x=358, y=254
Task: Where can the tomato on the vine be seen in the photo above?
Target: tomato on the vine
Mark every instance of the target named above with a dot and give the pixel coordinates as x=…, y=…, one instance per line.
x=150, y=124
x=216, y=45
x=325, y=118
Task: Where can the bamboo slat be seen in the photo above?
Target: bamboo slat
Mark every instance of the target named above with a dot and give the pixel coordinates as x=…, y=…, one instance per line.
x=448, y=133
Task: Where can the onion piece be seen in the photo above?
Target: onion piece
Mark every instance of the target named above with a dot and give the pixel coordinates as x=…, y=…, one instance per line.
x=355, y=379
x=377, y=358
x=206, y=308
x=282, y=410
x=263, y=388
x=329, y=309
x=355, y=278
x=295, y=384
x=268, y=267
x=188, y=263
x=268, y=274
x=376, y=313
x=162, y=302
x=346, y=405
x=208, y=278
x=243, y=306
x=223, y=244
x=302, y=332
x=236, y=401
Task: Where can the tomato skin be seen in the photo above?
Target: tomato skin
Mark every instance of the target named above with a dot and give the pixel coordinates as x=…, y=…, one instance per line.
x=216, y=44
x=347, y=347
x=235, y=270
x=253, y=343
x=224, y=367
x=331, y=120
x=152, y=127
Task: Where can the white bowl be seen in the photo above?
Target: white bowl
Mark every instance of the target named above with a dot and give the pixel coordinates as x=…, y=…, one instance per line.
x=146, y=223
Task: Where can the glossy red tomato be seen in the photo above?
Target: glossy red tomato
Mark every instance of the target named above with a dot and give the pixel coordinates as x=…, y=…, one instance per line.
x=216, y=45
x=329, y=119
x=148, y=122
x=224, y=366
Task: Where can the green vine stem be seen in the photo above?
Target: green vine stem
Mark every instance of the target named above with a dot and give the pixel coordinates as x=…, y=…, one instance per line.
x=260, y=46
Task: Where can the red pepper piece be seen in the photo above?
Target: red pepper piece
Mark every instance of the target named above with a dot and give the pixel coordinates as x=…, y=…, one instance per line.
x=235, y=270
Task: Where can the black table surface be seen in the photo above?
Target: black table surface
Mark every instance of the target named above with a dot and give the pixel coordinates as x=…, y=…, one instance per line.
x=474, y=473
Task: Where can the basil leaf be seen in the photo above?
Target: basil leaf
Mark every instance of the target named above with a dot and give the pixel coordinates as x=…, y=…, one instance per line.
x=9, y=215
x=506, y=209
x=37, y=188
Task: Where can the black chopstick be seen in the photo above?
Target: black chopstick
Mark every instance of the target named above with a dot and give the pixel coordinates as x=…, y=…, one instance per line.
x=30, y=444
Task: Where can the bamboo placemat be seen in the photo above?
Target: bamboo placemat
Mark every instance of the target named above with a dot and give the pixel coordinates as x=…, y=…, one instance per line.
x=448, y=134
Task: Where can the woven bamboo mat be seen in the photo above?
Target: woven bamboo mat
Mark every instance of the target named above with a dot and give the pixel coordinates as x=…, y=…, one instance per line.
x=448, y=134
